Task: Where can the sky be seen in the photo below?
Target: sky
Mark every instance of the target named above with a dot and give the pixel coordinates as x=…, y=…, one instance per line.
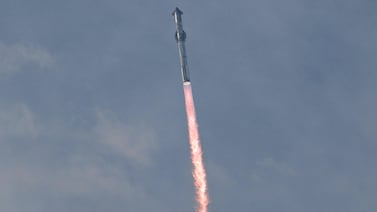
x=92, y=111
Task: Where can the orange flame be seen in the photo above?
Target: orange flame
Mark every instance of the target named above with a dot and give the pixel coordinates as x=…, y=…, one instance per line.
x=198, y=172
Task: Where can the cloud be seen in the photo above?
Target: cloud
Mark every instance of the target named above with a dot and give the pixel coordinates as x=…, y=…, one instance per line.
x=61, y=163
x=77, y=177
x=135, y=143
x=268, y=167
x=132, y=141
x=17, y=121
x=27, y=184
x=18, y=57
x=218, y=174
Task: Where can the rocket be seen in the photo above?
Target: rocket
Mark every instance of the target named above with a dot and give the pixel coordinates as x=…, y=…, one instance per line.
x=180, y=37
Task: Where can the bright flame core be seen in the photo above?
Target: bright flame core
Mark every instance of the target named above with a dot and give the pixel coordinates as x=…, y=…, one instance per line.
x=198, y=172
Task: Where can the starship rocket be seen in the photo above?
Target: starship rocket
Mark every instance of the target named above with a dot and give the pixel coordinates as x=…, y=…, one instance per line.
x=180, y=36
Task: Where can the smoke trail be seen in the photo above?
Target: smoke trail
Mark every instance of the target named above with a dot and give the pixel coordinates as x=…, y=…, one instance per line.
x=198, y=172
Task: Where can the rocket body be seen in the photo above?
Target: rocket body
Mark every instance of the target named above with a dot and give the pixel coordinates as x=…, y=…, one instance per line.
x=180, y=36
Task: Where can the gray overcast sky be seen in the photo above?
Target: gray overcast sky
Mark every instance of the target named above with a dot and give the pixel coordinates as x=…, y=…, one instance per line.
x=92, y=113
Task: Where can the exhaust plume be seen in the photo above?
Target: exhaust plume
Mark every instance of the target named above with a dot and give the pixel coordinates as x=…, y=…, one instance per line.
x=198, y=172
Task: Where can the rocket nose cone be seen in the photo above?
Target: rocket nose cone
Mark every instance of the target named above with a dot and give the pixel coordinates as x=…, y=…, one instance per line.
x=177, y=11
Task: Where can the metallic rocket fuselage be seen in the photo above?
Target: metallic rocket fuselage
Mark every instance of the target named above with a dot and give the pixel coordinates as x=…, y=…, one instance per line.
x=180, y=36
